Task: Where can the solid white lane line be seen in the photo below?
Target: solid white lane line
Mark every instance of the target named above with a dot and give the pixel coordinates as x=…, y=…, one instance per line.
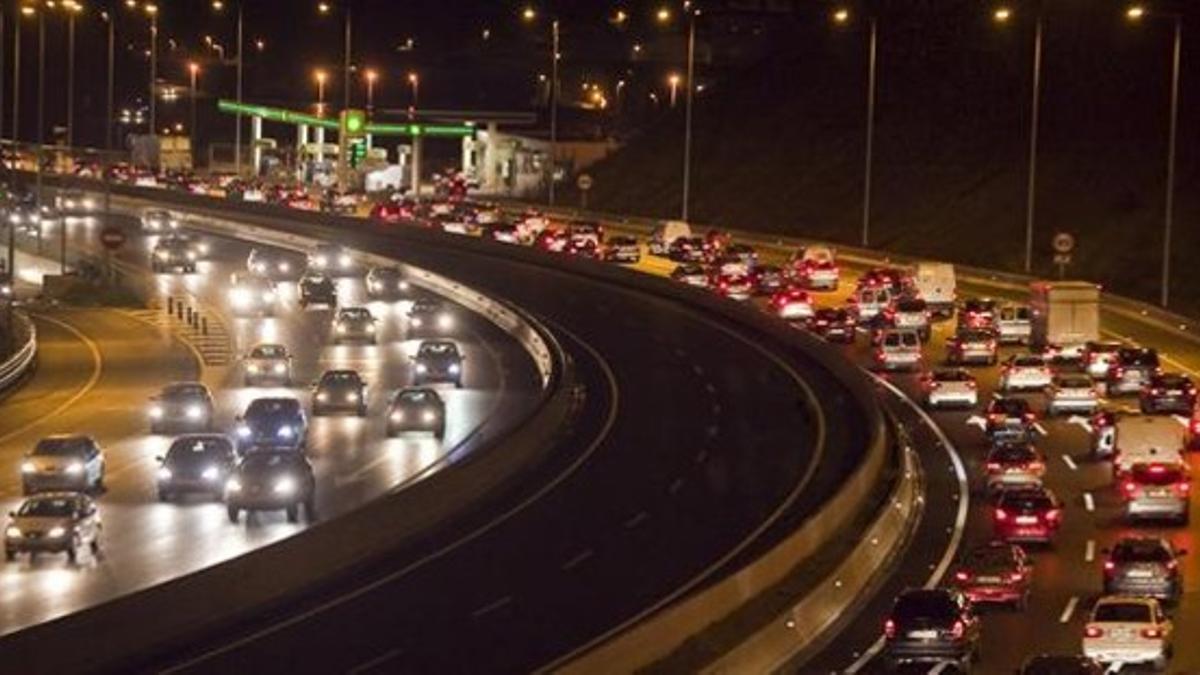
x=576, y=559
x=1089, y=502
x=491, y=607
x=1070, y=463
x=1040, y=429
x=637, y=519
x=675, y=486
x=1069, y=609
x=1089, y=553
x=377, y=661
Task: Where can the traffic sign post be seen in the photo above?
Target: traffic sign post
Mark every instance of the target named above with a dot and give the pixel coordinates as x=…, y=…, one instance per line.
x=112, y=238
x=584, y=183
x=1063, y=244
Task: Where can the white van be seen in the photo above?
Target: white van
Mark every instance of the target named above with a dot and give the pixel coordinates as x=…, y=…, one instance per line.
x=936, y=284
x=1146, y=439
x=666, y=233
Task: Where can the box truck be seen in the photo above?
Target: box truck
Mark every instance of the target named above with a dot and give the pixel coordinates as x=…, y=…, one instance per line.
x=1066, y=315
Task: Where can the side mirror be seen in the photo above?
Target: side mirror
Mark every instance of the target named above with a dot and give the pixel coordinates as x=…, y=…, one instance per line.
x=12, y=514
x=158, y=458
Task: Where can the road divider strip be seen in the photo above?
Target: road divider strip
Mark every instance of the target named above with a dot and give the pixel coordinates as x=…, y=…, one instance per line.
x=14, y=369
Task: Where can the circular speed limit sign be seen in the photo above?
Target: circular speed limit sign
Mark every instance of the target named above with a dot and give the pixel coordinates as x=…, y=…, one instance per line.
x=584, y=182
x=1064, y=242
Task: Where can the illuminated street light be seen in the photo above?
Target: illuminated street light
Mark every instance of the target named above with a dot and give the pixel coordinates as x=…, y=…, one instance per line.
x=1135, y=12
x=620, y=17
x=1002, y=15
x=673, y=81
x=371, y=76
x=321, y=76
x=663, y=15
x=528, y=14
x=347, y=46
x=841, y=16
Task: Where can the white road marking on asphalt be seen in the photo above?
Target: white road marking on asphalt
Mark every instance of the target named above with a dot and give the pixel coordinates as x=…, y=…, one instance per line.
x=710, y=388
x=378, y=660
x=578, y=558
x=1040, y=429
x=1070, y=462
x=1183, y=421
x=976, y=420
x=701, y=455
x=1089, y=502
x=1069, y=609
x=698, y=369
x=1089, y=553
x=1082, y=422
x=636, y=520
x=491, y=607
x=676, y=486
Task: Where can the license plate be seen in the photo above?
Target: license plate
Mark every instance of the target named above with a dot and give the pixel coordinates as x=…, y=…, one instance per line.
x=922, y=634
x=988, y=580
x=1160, y=492
x=1138, y=574
x=1026, y=520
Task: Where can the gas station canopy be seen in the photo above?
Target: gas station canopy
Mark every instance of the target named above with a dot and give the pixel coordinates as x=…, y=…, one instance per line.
x=375, y=129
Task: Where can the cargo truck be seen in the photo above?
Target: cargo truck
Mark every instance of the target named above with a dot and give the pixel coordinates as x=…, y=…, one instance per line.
x=1066, y=315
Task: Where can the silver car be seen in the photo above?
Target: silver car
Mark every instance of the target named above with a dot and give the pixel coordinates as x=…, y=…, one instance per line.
x=1013, y=324
x=1128, y=630
x=950, y=387
x=354, y=324
x=268, y=364
x=63, y=463
x=1145, y=567
x=1158, y=490
x=898, y=350
x=1025, y=372
x=1071, y=392
x=157, y=221
x=55, y=522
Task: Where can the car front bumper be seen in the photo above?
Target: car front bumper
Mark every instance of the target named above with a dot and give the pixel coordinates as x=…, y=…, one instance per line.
x=38, y=544
x=45, y=482
x=1123, y=653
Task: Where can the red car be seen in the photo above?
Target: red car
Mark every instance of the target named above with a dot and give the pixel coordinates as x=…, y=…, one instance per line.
x=1029, y=514
x=995, y=572
x=393, y=211
x=885, y=277
x=792, y=304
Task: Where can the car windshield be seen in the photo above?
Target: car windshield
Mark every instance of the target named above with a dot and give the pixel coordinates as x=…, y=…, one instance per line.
x=1141, y=550
x=1027, y=501
x=1122, y=612
x=1157, y=474
x=269, y=352
x=952, y=376
x=910, y=306
x=925, y=605
x=186, y=449
x=314, y=279
x=48, y=507
x=1029, y=362
x=1014, y=314
x=989, y=557
x=691, y=270
x=270, y=407
x=1138, y=357
x=975, y=336
x=335, y=377
x=61, y=447
x=416, y=396
x=1012, y=453
x=979, y=306
x=1013, y=407
x=425, y=306
x=185, y=391
x=269, y=460
x=355, y=314
x=1075, y=382
x=385, y=273
x=437, y=349
x=623, y=241
x=1172, y=381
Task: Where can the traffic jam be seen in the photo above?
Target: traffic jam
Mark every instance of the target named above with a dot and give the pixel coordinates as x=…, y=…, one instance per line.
x=261, y=461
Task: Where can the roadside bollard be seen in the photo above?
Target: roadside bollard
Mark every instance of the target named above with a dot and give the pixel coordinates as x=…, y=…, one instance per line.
x=179, y=310
x=189, y=316
x=170, y=305
x=204, y=326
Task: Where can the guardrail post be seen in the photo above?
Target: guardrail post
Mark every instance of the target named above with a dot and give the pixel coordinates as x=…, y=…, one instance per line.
x=204, y=326
x=189, y=316
x=179, y=310
x=170, y=305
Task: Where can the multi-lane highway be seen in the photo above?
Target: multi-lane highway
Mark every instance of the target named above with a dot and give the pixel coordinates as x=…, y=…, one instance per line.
x=100, y=367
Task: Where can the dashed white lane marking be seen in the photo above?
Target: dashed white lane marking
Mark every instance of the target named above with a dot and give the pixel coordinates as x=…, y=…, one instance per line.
x=710, y=388
x=1183, y=421
x=1082, y=422
x=1069, y=609
x=698, y=369
x=576, y=559
x=701, y=455
x=1089, y=502
x=375, y=662
x=1070, y=463
x=491, y=607
x=1040, y=429
x=1089, y=553
x=675, y=486
x=637, y=519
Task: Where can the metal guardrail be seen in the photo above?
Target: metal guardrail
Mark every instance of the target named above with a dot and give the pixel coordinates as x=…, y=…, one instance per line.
x=17, y=366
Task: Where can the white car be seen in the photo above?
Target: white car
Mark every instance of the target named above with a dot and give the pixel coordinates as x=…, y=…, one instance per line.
x=898, y=350
x=155, y=221
x=950, y=387
x=792, y=304
x=251, y=295
x=912, y=314
x=1025, y=372
x=268, y=364
x=868, y=303
x=1125, y=460
x=1072, y=392
x=1128, y=630
x=1098, y=356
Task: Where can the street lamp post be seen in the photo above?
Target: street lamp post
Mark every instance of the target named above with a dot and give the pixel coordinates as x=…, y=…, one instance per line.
x=193, y=71
x=26, y=11
x=842, y=16
x=414, y=82
x=673, y=87
x=72, y=8
x=663, y=15
x=347, y=42
x=321, y=77
x=529, y=15
x=371, y=76
x=108, y=119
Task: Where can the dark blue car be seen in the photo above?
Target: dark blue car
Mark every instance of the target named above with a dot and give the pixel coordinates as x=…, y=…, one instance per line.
x=272, y=424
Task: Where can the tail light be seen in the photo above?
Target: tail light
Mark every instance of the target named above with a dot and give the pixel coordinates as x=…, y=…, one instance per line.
x=1029, y=417
x=959, y=629
x=889, y=629
x=1194, y=427
x=1052, y=516
x=1173, y=566
x=1035, y=466
x=962, y=575
x=1109, y=566
x=1152, y=633
x=971, y=384
x=1093, y=632
x=1001, y=515
x=1016, y=577
x=991, y=344
x=993, y=466
x=1183, y=488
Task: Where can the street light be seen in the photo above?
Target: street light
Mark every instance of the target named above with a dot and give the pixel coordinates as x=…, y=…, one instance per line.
x=842, y=17
x=414, y=83
x=193, y=71
x=529, y=15
x=325, y=8
x=321, y=76
x=219, y=6
x=664, y=16
x=152, y=11
x=673, y=82
x=371, y=76
x=72, y=8
x=1135, y=14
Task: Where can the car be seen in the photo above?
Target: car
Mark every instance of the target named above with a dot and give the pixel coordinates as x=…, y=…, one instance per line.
x=912, y=314
x=429, y=316
x=504, y=233
x=182, y=405
x=768, y=279
x=1060, y=664
x=1130, y=370
x=252, y=295
x=54, y=522
x=743, y=253
x=892, y=278
x=945, y=387
x=272, y=481
x=869, y=303
x=715, y=241
x=1008, y=418
x=393, y=210
x=728, y=263
x=438, y=361
x=63, y=462
x=898, y=350
x=340, y=391
x=272, y=424
x=585, y=231
x=971, y=346
x=977, y=313
x=339, y=202
x=1027, y=514
x=1098, y=356
x=818, y=275
x=622, y=249
x=196, y=463
x=1025, y=372
x=735, y=286
x=197, y=244
x=158, y=221
x=6, y=286
x=1143, y=567
x=692, y=274
x=317, y=289
x=1168, y=393
x=75, y=202
x=1157, y=490
x=268, y=364
x=1010, y=465
x=1071, y=392
x=416, y=409
x=387, y=283
x=332, y=260
x=995, y=572
x=931, y=625
x=552, y=240
x=1129, y=631
x=792, y=304
x=687, y=249
x=173, y=255
x=835, y=324
x=1014, y=324
x=271, y=263
x=354, y=324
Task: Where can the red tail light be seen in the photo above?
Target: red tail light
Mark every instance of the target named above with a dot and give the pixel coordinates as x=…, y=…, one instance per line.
x=971, y=385
x=1052, y=516
x=889, y=628
x=1016, y=577
x=1183, y=488
x=1130, y=487
x=958, y=630
x=1001, y=515
x=962, y=575
x=993, y=466
x=1093, y=632
x=1152, y=633
x=1035, y=466
x=1109, y=566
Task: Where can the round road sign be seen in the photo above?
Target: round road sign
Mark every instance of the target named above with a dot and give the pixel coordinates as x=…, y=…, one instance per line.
x=584, y=182
x=1064, y=242
x=112, y=238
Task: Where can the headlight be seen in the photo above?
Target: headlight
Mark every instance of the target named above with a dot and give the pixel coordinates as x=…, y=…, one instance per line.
x=260, y=268
x=233, y=485
x=162, y=255
x=341, y=329
x=156, y=412
x=15, y=219
x=454, y=369
x=320, y=261
x=280, y=368
x=28, y=467
x=252, y=369
x=344, y=260
x=322, y=397
x=397, y=416
x=13, y=532
x=56, y=532
x=285, y=432
x=416, y=322
x=285, y=267
x=191, y=255
x=204, y=248
x=268, y=297
x=403, y=285
x=243, y=431
x=428, y=416
x=285, y=486
x=75, y=467
x=352, y=398
x=89, y=204
x=239, y=296
x=211, y=473
x=373, y=285
x=164, y=473
x=445, y=321
x=194, y=412
x=370, y=328
x=422, y=368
